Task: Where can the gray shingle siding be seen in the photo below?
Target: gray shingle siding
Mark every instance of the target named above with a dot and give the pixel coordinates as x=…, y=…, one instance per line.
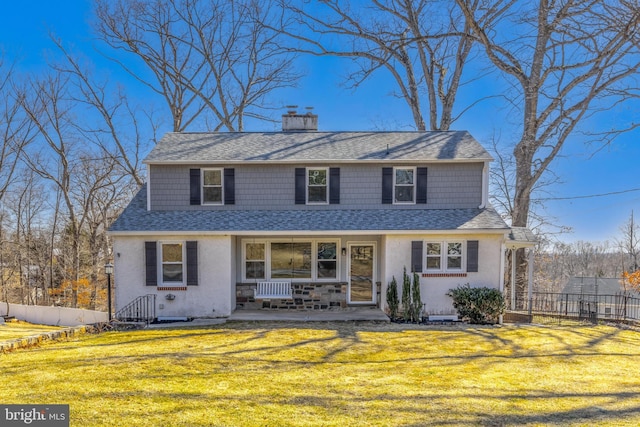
x=136, y=218
x=272, y=187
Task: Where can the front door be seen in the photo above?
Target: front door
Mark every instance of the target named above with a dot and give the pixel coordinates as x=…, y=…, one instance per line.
x=362, y=273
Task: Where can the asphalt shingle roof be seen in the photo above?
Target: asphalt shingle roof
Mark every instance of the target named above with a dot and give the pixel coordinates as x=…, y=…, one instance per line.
x=594, y=285
x=246, y=147
x=136, y=218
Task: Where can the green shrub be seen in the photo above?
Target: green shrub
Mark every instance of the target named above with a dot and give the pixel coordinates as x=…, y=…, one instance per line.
x=392, y=298
x=477, y=305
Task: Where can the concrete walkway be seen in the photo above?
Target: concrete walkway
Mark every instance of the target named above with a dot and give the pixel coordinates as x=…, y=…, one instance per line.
x=367, y=314
x=352, y=314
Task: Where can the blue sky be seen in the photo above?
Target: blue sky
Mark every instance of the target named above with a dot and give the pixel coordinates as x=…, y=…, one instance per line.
x=23, y=34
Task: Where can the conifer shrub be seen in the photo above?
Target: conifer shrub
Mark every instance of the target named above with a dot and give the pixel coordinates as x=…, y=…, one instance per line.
x=406, y=296
x=416, y=299
x=392, y=298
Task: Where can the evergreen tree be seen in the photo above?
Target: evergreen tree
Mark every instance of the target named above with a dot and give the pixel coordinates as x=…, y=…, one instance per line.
x=392, y=298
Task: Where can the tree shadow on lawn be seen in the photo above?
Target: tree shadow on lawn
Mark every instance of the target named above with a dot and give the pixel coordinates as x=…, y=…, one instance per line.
x=431, y=408
x=408, y=345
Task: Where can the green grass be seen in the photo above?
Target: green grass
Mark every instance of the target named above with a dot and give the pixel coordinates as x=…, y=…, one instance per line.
x=336, y=374
x=13, y=330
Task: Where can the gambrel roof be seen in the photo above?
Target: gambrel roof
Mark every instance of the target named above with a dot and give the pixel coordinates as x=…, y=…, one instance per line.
x=136, y=218
x=310, y=147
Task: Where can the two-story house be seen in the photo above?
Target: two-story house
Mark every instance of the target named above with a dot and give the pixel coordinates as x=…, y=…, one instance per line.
x=302, y=219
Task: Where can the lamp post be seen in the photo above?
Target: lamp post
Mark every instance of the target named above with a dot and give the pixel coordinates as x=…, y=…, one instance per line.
x=108, y=269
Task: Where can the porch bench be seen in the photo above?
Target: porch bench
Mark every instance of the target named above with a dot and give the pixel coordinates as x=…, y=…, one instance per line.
x=269, y=290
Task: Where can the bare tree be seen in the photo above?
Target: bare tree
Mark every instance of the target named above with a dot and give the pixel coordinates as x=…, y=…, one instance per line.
x=206, y=56
x=15, y=129
x=629, y=244
x=116, y=129
x=424, y=45
x=566, y=61
x=60, y=154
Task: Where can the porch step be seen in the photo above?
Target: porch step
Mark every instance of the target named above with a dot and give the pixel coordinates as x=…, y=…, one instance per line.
x=7, y=319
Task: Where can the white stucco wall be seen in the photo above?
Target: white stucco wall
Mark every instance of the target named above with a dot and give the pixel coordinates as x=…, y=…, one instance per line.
x=213, y=297
x=397, y=250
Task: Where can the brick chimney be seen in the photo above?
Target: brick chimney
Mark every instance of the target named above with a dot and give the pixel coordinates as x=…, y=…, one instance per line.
x=295, y=122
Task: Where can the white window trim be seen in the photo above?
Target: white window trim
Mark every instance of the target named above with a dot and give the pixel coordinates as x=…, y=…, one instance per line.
x=326, y=201
x=202, y=186
x=444, y=257
x=244, y=259
x=161, y=282
x=413, y=202
x=314, y=261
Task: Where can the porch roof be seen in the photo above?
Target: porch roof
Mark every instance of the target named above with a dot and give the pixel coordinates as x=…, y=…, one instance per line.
x=136, y=219
x=521, y=237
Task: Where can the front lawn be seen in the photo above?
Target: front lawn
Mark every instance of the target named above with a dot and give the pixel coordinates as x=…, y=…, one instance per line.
x=336, y=374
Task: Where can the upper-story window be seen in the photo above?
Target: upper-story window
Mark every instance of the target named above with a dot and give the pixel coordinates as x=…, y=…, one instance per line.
x=317, y=185
x=404, y=188
x=212, y=186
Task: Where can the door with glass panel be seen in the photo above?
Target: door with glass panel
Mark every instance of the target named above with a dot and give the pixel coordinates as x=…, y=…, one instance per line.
x=362, y=273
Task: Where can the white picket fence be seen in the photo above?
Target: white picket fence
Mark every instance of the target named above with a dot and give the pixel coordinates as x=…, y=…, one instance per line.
x=54, y=316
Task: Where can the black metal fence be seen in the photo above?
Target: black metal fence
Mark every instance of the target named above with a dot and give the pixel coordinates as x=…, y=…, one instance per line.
x=623, y=307
x=142, y=309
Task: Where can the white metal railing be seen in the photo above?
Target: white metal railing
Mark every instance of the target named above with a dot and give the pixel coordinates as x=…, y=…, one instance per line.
x=266, y=290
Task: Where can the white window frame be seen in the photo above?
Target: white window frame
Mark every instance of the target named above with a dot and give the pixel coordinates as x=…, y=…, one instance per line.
x=413, y=186
x=317, y=260
x=444, y=256
x=307, y=186
x=245, y=260
x=202, y=186
x=314, y=259
x=161, y=263
x=426, y=256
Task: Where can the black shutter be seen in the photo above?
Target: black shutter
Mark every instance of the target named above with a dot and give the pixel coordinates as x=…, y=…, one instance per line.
x=387, y=186
x=334, y=186
x=301, y=188
x=416, y=256
x=151, y=263
x=229, y=186
x=421, y=188
x=472, y=256
x=194, y=185
x=192, y=263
